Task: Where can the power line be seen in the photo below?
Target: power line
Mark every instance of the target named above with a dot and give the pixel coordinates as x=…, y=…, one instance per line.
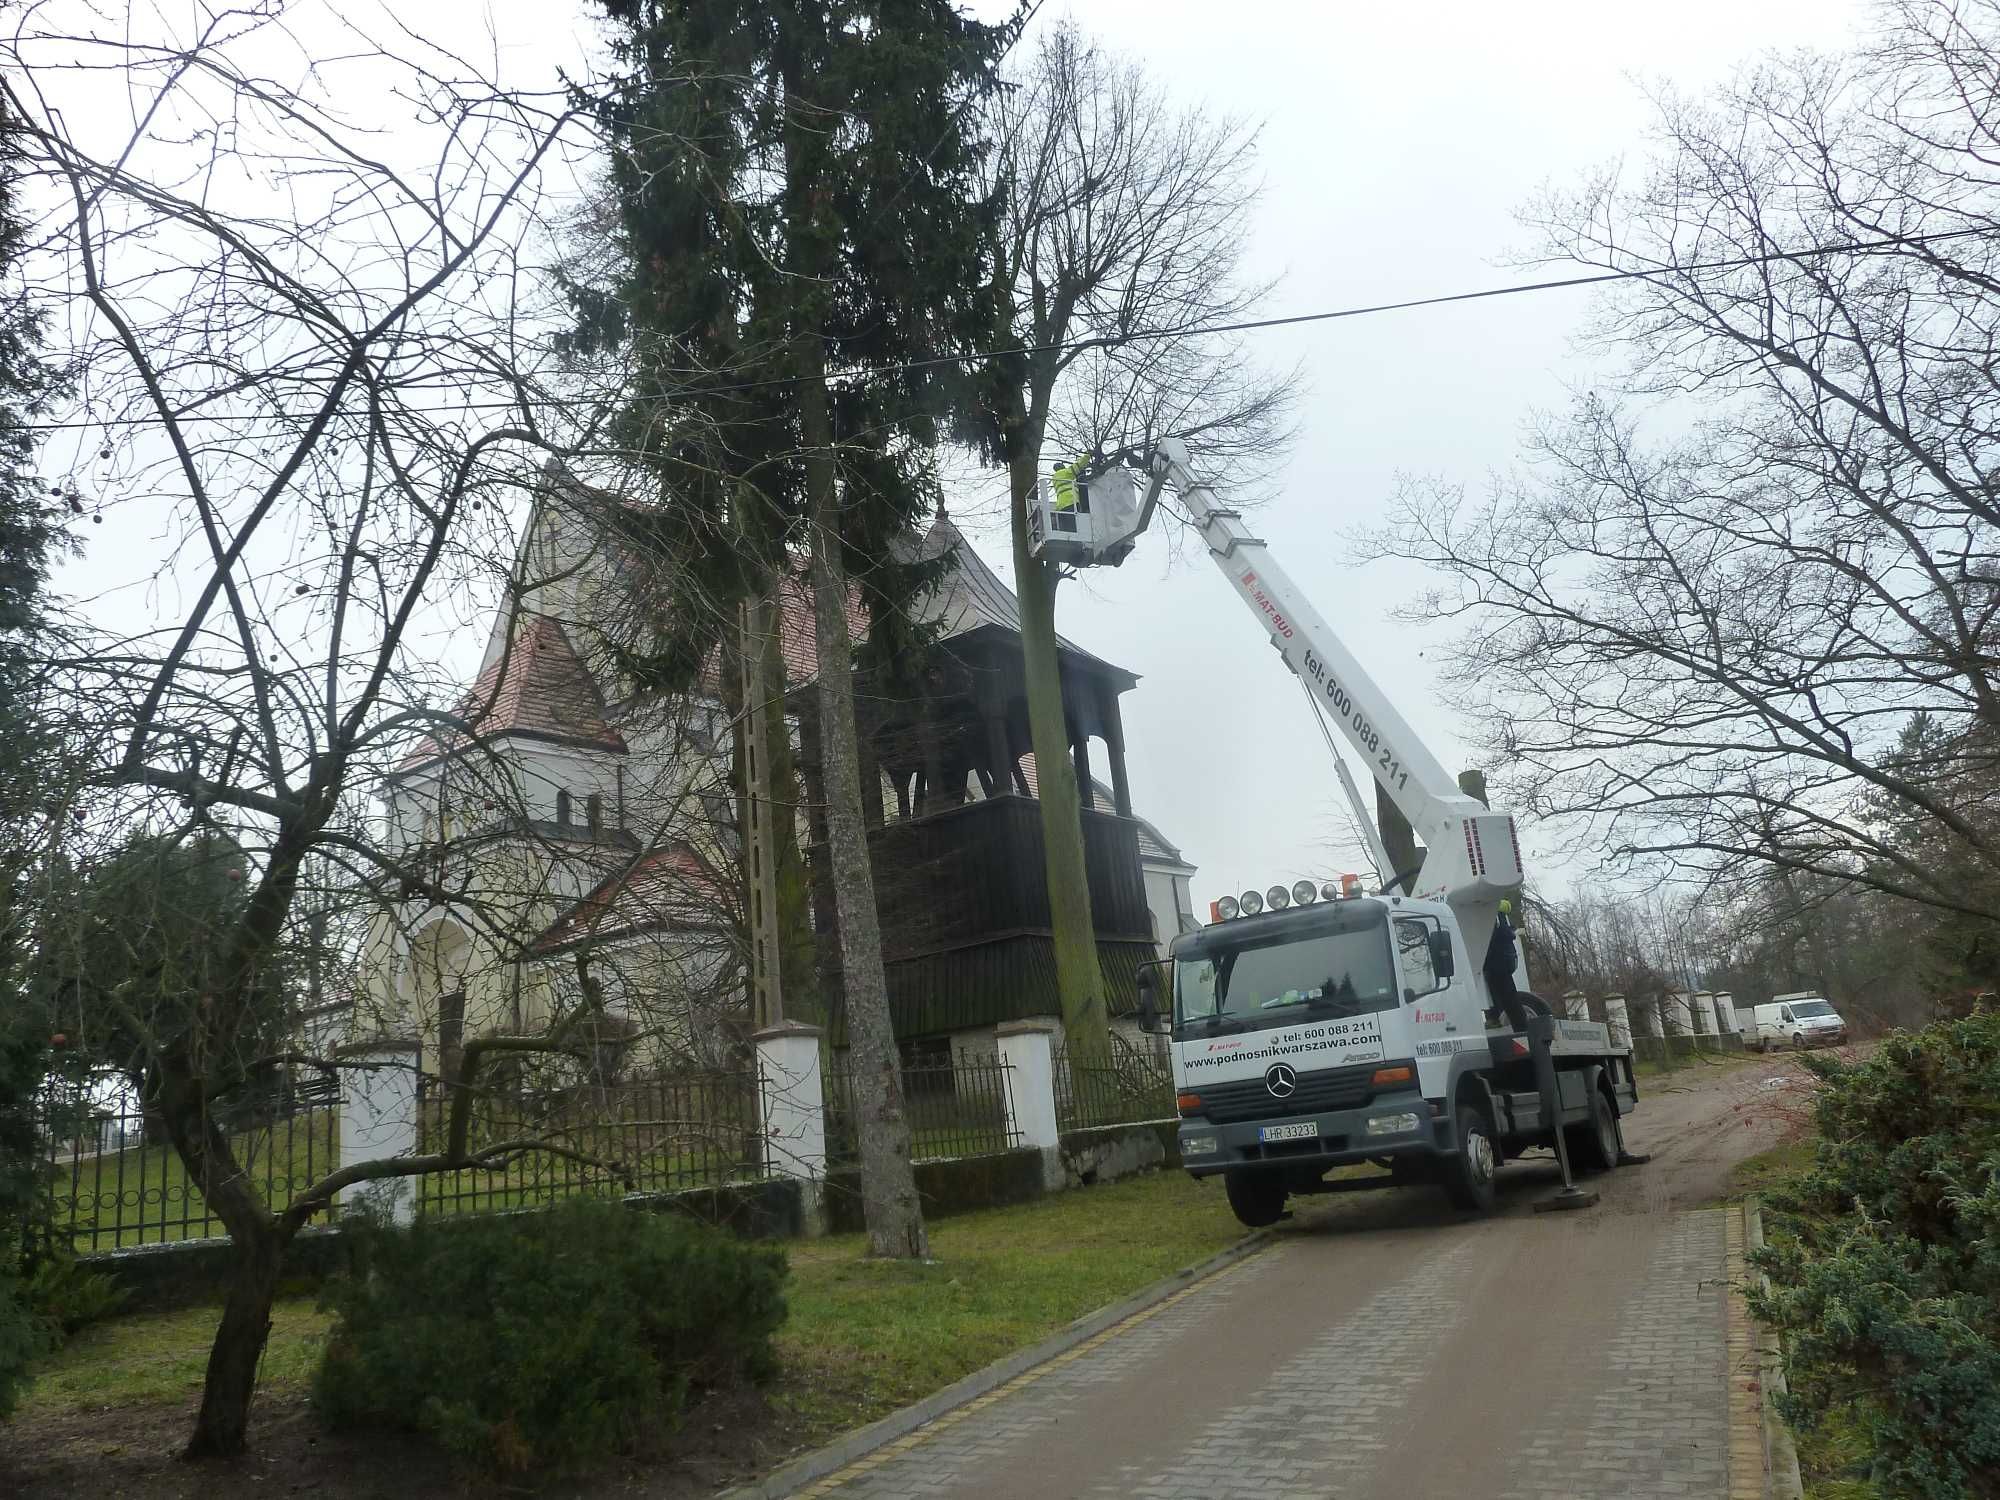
x=1249, y=325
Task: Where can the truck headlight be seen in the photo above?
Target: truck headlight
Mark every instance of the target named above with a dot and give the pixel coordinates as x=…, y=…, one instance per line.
x=1198, y=1145
x=1403, y=1124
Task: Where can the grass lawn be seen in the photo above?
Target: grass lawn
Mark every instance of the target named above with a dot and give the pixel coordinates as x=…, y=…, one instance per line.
x=863, y=1337
x=143, y=1358
x=1756, y=1174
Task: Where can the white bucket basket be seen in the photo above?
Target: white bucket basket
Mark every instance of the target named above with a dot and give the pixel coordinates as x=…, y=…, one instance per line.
x=1100, y=524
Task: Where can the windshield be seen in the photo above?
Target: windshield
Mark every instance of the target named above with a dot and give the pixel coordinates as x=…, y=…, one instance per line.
x=1807, y=1008
x=1277, y=983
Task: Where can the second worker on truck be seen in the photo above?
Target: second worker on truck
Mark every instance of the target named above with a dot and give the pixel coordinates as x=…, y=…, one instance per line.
x=1502, y=958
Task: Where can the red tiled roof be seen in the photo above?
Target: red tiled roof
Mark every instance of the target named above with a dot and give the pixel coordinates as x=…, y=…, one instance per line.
x=667, y=887
x=547, y=693
x=798, y=638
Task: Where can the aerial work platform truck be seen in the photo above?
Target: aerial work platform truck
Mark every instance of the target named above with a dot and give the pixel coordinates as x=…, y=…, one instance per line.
x=1315, y=1026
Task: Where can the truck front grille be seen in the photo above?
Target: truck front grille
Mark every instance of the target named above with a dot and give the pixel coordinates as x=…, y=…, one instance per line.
x=1250, y=1099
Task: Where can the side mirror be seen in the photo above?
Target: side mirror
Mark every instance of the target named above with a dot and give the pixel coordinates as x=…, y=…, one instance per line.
x=1442, y=963
x=1149, y=1003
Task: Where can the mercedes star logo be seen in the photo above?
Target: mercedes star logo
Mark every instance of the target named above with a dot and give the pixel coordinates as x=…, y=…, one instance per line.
x=1281, y=1081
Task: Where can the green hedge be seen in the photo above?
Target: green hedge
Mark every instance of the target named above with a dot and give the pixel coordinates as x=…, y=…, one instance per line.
x=545, y=1340
x=1884, y=1262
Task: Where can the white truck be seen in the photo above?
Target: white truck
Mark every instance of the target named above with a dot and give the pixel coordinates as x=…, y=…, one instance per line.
x=1318, y=1028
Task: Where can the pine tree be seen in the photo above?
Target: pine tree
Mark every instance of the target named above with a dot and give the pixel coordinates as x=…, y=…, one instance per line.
x=28, y=531
x=803, y=233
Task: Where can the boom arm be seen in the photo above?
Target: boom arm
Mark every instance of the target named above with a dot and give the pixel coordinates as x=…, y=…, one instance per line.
x=1473, y=857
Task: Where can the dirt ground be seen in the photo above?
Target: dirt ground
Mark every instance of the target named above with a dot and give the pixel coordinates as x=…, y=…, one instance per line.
x=723, y=1442
x=1697, y=1124
x=1700, y=1122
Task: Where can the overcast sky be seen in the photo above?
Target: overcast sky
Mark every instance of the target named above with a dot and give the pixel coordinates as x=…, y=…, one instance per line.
x=1398, y=142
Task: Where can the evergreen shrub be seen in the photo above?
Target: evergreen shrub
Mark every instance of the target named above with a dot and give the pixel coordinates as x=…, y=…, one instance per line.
x=545, y=1340
x=1884, y=1261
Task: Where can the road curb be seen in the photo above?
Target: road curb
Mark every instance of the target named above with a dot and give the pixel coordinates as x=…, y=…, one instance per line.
x=863, y=1441
x=1781, y=1457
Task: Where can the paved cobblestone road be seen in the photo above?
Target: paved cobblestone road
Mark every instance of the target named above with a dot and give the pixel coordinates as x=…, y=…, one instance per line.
x=1387, y=1347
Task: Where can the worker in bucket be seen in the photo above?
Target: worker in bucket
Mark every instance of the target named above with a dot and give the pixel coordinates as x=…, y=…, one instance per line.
x=1064, y=482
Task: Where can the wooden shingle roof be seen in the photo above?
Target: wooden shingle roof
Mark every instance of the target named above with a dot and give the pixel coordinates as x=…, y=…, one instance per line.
x=969, y=597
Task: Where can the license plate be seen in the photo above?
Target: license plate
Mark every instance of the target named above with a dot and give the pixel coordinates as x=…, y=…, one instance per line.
x=1305, y=1130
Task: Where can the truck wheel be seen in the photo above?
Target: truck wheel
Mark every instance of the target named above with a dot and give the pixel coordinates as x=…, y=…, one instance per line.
x=1256, y=1198
x=1593, y=1145
x=1798, y=1041
x=1468, y=1177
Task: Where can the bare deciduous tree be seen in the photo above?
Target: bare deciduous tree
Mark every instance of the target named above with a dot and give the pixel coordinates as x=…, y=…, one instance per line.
x=293, y=279
x=1706, y=610
x=1120, y=238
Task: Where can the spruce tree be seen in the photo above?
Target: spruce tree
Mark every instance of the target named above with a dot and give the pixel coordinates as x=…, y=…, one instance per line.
x=29, y=528
x=803, y=235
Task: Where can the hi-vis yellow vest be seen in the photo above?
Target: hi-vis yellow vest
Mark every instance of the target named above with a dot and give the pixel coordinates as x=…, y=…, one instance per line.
x=1063, y=481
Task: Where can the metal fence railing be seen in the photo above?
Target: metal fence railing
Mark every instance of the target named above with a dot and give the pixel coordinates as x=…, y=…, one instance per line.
x=960, y=1106
x=1128, y=1086
x=687, y=1130
x=116, y=1182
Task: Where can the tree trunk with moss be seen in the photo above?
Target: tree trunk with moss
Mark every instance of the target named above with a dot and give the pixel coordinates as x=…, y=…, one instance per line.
x=1079, y=975
x=1120, y=227
x=797, y=966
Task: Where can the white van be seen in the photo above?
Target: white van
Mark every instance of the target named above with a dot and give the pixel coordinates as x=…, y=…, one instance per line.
x=1800, y=1020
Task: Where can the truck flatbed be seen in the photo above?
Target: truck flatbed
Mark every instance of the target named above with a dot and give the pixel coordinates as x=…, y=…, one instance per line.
x=1572, y=1039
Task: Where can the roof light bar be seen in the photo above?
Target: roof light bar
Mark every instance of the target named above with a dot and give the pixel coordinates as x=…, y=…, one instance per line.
x=1280, y=896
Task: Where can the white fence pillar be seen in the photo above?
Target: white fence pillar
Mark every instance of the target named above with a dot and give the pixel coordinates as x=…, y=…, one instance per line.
x=1028, y=1049
x=791, y=1106
x=1576, y=1005
x=1702, y=1003
x=378, y=1120
x=1679, y=1013
x=1725, y=1013
x=1619, y=1019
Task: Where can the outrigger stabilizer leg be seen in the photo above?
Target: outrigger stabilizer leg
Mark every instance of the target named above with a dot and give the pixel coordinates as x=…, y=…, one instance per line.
x=1541, y=1036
